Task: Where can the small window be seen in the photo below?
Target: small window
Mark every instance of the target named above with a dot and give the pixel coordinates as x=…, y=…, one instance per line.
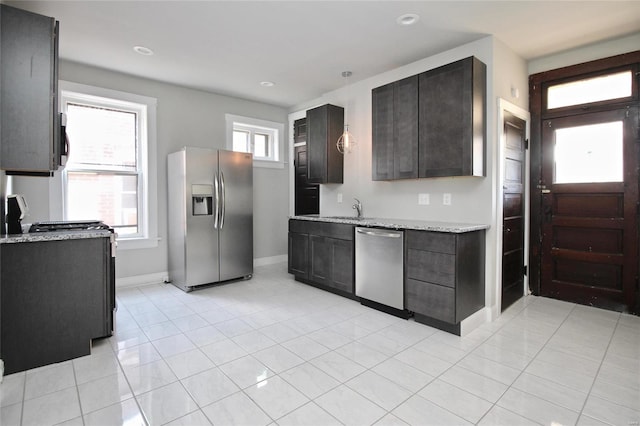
x=596, y=89
x=261, y=138
x=586, y=154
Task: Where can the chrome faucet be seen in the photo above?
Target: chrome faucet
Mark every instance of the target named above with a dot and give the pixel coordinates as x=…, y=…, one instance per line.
x=358, y=207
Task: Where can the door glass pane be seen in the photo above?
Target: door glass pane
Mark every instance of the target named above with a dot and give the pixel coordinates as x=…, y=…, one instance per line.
x=101, y=136
x=261, y=145
x=612, y=86
x=241, y=141
x=590, y=153
x=111, y=198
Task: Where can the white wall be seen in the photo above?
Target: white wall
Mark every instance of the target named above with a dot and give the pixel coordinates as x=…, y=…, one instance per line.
x=473, y=198
x=586, y=53
x=184, y=117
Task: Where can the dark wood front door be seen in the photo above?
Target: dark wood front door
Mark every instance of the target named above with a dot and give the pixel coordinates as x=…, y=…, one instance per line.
x=513, y=210
x=589, y=208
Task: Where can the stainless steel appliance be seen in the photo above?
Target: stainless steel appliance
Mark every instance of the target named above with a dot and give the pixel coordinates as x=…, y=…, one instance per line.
x=210, y=216
x=379, y=269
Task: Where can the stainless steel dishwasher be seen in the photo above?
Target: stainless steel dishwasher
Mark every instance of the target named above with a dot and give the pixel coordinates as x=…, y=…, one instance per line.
x=379, y=268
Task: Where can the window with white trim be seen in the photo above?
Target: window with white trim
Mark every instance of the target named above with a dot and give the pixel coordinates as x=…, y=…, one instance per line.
x=260, y=137
x=107, y=173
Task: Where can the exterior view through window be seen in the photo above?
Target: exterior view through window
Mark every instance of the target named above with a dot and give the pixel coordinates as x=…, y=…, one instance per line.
x=602, y=88
x=260, y=142
x=590, y=153
x=103, y=174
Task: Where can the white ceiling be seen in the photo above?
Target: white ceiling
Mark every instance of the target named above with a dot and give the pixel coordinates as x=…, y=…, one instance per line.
x=229, y=47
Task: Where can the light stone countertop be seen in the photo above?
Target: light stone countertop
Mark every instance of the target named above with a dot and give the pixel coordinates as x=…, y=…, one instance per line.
x=417, y=225
x=54, y=236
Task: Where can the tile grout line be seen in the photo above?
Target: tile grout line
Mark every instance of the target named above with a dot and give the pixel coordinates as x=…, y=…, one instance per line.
x=133, y=394
x=456, y=363
x=595, y=377
x=75, y=380
x=524, y=369
x=24, y=393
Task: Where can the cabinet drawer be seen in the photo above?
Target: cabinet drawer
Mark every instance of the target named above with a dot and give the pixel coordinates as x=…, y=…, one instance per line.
x=431, y=241
x=299, y=226
x=340, y=231
x=439, y=268
x=431, y=300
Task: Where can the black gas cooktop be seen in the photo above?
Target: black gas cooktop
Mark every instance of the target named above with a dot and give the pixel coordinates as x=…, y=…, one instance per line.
x=75, y=225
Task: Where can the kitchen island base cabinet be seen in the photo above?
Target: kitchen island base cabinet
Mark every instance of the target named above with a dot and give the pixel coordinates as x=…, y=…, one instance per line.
x=322, y=255
x=444, y=277
x=56, y=296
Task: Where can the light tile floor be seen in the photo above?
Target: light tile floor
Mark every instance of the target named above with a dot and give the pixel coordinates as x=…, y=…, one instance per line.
x=274, y=351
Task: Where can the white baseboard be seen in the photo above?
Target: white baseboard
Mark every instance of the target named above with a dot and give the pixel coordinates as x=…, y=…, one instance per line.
x=262, y=261
x=1, y=370
x=474, y=321
x=138, y=280
x=160, y=277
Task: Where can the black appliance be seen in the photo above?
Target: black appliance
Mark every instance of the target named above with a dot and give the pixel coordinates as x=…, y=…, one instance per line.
x=17, y=209
x=81, y=226
x=64, y=225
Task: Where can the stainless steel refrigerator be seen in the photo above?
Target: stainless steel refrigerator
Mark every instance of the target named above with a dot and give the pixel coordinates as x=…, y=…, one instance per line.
x=210, y=216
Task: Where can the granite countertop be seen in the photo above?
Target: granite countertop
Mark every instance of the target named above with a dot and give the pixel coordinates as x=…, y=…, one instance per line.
x=418, y=225
x=54, y=236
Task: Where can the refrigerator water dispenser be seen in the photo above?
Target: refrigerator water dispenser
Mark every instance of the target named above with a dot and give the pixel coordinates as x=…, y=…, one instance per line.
x=202, y=200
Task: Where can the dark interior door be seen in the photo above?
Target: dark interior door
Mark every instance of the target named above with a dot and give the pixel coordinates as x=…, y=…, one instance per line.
x=307, y=194
x=513, y=210
x=589, y=207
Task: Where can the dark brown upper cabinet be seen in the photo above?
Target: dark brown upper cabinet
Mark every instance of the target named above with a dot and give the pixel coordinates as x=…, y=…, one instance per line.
x=325, y=124
x=431, y=124
x=452, y=119
x=395, y=130
x=29, y=101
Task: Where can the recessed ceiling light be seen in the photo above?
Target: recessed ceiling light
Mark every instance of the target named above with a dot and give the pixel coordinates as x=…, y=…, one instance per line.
x=267, y=83
x=407, y=19
x=143, y=50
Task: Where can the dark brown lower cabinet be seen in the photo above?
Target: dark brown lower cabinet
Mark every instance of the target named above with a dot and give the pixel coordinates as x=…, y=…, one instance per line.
x=56, y=296
x=322, y=254
x=444, y=276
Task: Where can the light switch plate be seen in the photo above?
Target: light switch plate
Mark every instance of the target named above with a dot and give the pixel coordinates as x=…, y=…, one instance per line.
x=446, y=199
x=339, y=197
x=423, y=199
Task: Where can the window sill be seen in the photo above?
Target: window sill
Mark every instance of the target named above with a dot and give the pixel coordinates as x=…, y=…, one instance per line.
x=268, y=164
x=136, y=243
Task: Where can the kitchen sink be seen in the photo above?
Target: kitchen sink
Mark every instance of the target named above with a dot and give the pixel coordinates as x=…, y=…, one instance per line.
x=345, y=217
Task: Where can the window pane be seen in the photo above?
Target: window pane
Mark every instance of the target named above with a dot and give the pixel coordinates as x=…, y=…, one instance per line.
x=241, y=141
x=589, y=153
x=110, y=198
x=101, y=136
x=261, y=145
x=596, y=89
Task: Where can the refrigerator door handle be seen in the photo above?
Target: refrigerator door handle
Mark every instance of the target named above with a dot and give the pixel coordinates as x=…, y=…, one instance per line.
x=223, y=202
x=216, y=193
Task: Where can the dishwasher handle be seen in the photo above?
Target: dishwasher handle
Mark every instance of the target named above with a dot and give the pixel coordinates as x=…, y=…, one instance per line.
x=374, y=233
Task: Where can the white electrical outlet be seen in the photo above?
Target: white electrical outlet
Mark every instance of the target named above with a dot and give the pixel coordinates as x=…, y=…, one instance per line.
x=340, y=197
x=446, y=199
x=423, y=199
